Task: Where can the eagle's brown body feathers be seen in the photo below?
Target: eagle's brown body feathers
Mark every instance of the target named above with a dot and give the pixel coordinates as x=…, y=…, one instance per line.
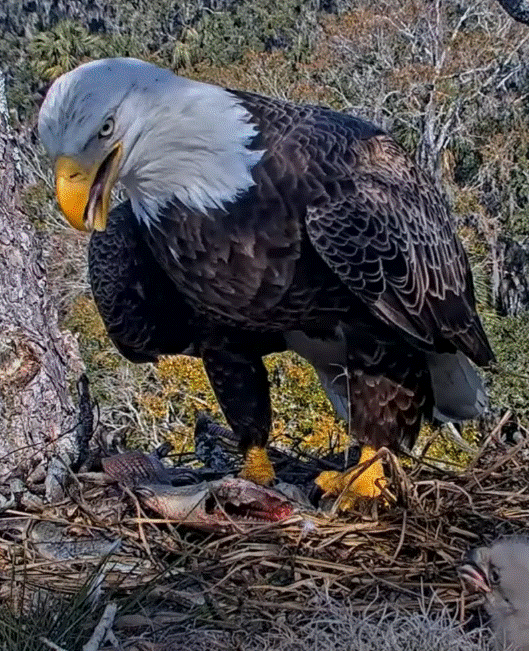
x=342, y=239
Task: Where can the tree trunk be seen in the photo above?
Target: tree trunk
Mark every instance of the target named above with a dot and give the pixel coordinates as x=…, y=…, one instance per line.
x=37, y=360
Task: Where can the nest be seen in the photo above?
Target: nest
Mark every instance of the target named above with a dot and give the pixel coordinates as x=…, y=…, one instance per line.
x=168, y=578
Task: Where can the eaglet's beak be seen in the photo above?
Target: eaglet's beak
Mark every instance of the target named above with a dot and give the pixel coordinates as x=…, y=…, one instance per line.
x=473, y=574
x=84, y=194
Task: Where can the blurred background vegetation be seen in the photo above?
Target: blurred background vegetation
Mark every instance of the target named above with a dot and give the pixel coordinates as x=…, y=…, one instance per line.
x=449, y=79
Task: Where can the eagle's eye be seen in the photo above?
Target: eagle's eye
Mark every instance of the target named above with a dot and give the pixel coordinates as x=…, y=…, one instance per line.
x=494, y=575
x=107, y=128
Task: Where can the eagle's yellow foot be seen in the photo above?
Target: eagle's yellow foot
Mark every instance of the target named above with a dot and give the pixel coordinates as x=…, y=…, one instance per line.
x=257, y=467
x=355, y=484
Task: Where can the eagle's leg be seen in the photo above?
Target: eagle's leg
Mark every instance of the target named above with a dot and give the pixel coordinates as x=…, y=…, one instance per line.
x=240, y=382
x=366, y=480
x=382, y=412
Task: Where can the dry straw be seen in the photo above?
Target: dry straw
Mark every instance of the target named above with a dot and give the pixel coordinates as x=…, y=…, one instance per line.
x=170, y=581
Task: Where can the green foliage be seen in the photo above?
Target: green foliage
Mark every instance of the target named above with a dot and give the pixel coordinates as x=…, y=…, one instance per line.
x=36, y=200
x=63, y=48
x=441, y=447
x=301, y=411
x=49, y=620
x=102, y=361
x=509, y=385
x=224, y=37
x=69, y=44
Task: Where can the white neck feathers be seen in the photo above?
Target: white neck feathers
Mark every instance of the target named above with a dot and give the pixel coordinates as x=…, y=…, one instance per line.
x=190, y=143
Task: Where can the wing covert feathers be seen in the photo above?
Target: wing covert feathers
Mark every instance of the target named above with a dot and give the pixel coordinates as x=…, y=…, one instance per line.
x=387, y=234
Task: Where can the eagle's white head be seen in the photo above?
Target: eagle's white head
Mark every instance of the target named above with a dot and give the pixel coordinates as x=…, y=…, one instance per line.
x=164, y=137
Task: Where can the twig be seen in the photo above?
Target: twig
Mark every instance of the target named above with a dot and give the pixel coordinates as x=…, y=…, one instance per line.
x=502, y=461
x=504, y=419
x=401, y=539
x=51, y=644
x=140, y=519
x=101, y=630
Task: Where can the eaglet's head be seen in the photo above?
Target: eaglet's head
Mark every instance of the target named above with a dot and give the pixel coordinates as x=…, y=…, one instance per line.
x=164, y=137
x=501, y=572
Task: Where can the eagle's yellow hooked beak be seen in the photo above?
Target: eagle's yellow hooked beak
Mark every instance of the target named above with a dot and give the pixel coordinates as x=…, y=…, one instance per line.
x=84, y=194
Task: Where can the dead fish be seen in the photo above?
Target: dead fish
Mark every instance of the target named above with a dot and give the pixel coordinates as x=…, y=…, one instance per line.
x=221, y=505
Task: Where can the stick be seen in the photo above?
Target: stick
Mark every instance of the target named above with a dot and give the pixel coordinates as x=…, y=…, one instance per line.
x=101, y=630
x=490, y=437
x=51, y=644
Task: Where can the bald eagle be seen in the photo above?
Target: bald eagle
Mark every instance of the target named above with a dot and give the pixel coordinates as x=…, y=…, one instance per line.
x=255, y=225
